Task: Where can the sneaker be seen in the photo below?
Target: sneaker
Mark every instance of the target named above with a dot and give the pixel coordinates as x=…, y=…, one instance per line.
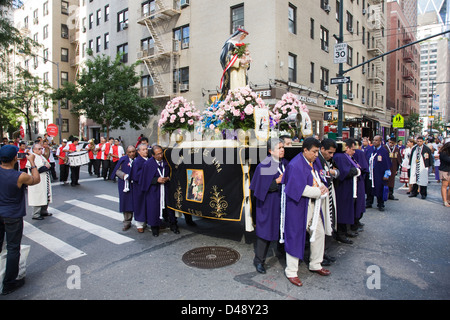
x=13, y=287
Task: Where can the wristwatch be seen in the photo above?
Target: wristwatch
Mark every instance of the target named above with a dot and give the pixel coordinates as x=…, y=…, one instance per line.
x=33, y=167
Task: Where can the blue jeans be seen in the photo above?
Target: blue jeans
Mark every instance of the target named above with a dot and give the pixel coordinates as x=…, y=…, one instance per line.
x=13, y=228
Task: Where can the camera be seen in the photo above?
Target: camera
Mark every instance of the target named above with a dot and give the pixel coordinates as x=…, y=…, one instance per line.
x=21, y=155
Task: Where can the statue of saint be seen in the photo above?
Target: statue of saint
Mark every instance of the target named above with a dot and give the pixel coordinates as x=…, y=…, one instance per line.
x=235, y=60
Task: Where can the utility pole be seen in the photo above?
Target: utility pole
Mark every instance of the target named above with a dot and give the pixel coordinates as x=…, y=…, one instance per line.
x=341, y=72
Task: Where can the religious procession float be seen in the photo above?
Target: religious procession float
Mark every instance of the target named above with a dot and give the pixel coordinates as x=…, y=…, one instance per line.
x=213, y=153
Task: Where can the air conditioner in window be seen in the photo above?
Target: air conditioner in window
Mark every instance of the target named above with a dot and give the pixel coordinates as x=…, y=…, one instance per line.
x=184, y=87
x=124, y=25
x=185, y=45
x=350, y=29
x=325, y=48
x=363, y=70
x=325, y=88
x=364, y=11
x=327, y=8
x=184, y=3
x=363, y=100
x=351, y=96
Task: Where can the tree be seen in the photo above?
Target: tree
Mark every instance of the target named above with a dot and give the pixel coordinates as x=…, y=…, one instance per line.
x=412, y=122
x=106, y=92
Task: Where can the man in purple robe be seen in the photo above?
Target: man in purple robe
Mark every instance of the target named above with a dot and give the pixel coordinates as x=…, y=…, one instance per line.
x=379, y=172
x=137, y=181
x=155, y=174
x=361, y=159
x=266, y=184
x=122, y=170
x=304, y=191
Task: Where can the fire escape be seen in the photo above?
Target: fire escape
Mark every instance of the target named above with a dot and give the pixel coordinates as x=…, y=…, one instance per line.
x=160, y=57
x=376, y=74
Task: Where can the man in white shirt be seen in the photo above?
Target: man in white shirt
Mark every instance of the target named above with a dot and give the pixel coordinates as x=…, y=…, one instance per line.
x=116, y=152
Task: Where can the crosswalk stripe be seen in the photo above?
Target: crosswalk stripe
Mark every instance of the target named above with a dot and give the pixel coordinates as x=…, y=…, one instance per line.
x=97, y=209
x=99, y=231
x=108, y=197
x=57, y=246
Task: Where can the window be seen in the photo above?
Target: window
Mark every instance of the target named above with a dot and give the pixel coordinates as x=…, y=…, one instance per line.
x=91, y=21
x=65, y=7
x=292, y=19
x=182, y=34
x=324, y=38
x=83, y=50
x=45, y=55
x=292, y=67
x=338, y=4
x=83, y=24
x=363, y=33
x=147, y=89
x=25, y=22
x=148, y=7
x=349, y=23
x=311, y=73
x=45, y=77
x=65, y=125
x=64, y=54
x=122, y=20
x=35, y=17
x=311, y=28
x=99, y=16
x=45, y=32
x=107, y=12
x=64, y=77
x=324, y=77
x=106, y=40
x=91, y=44
x=148, y=46
x=98, y=44
x=237, y=17
x=123, y=50
x=350, y=56
x=181, y=77
x=45, y=8
x=64, y=31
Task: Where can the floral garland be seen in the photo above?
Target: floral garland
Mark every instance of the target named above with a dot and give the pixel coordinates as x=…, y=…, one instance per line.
x=236, y=111
x=287, y=106
x=210, y=118
x=178, y=114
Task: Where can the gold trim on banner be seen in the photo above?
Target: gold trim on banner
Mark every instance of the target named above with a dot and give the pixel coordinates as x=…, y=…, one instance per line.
x=218, y=203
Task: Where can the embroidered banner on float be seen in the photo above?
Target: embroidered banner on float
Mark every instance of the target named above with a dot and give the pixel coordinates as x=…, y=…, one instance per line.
x=207, y=182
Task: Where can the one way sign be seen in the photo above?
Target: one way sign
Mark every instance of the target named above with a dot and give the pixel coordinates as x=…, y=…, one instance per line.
x=340, y=80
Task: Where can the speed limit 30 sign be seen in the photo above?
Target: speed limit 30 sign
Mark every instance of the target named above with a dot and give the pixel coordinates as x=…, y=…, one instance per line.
x=340, y=53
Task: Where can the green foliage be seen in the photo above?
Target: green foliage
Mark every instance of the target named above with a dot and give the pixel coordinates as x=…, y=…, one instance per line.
x=106, y=92
x=412, y=122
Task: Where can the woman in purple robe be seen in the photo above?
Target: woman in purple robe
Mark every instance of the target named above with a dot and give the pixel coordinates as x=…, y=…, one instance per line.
x=155, y=186
x=266, y=185
x=123, y=170
x=136, y=180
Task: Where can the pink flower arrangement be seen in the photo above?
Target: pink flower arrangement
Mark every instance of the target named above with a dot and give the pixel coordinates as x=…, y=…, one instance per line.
x=236, y=111
x=178, y=114
x=288, y=105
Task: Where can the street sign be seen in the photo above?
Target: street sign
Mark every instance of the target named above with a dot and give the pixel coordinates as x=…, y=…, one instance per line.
x=340, y=53
x=398, y=121
x=340, y=80
x=435, y=102
x=328, y=116
x=52, y=130
x=330, y=102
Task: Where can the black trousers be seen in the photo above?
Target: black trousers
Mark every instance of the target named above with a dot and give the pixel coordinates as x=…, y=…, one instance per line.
x=63, y=172
x=415, y=190
x=370, y=198
x=91, y=165
x=97, y=165
x=106, y=168
x=13, y=229
x=74, y=174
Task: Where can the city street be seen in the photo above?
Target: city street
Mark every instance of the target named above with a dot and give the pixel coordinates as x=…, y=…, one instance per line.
x=82, y=253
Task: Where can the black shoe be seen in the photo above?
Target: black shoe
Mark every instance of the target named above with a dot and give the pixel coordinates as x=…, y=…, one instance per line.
x=155, y=231
x=260, y=268
x=326, y=262
x=174, y=228
x=46, y=214
x=423, y=197
x=38, y=218
x=329, y=258
x=412, y=195
x=352, y=234
x=381, y=209
x=344, y=240
x=391, y=197
x=13, y=287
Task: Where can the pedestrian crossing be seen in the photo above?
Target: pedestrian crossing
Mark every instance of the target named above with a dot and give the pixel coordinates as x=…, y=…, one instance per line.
x=65, y=250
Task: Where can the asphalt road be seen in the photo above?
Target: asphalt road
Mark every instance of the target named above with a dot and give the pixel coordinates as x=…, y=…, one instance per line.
x=402, y=254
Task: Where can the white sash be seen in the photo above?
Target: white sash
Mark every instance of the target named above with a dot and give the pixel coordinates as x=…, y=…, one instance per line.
x=126, y=185
x=283, y=208
x=162, y=203
x=317, y=207
x=372, y=157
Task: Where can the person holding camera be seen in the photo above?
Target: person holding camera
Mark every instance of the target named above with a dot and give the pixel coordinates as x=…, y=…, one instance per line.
x=12, y=211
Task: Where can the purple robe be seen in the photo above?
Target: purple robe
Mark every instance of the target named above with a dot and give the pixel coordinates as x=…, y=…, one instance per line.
x=297, y=176
x=360, y=158
x=381, y=163
x=125, y=198
x=348, y=208
x=137, y=194
x=268, y=200
x=152, y=190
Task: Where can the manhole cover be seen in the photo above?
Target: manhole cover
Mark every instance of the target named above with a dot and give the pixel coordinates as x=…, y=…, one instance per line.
x=210, y=257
